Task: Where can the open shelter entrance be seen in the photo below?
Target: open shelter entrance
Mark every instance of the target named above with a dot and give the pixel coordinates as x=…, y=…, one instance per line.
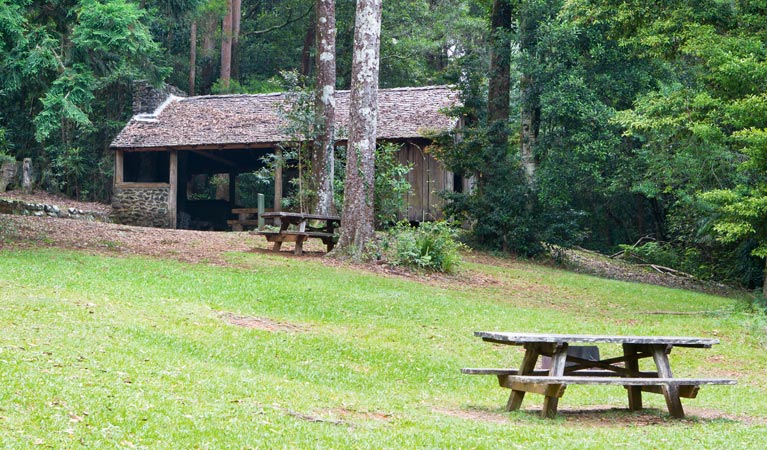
x=203, y=185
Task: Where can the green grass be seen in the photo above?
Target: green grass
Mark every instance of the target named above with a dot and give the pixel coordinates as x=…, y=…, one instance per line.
x=126, y=352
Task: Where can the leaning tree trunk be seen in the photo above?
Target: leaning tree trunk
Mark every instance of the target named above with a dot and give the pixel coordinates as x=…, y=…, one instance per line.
x=357, y=218
x=322, y=158
x=226, y=47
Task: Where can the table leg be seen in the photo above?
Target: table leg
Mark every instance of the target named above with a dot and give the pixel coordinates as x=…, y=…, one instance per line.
x=632, y=364
x=558, y=361
x=527, y=367
x=299, y=246
x=670, y=391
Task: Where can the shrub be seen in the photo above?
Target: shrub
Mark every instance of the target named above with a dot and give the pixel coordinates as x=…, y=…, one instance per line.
x=431, y=246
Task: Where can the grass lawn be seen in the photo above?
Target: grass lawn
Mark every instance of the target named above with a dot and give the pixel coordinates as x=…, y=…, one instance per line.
x=276, y=352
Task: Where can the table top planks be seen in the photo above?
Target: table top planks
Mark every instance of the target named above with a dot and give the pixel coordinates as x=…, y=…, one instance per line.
x=300, y=216
x=513, y=338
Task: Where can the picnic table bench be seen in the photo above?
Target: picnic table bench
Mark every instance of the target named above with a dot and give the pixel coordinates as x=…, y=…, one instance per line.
x=569, y=366
x=247, y=218
x=303, y=229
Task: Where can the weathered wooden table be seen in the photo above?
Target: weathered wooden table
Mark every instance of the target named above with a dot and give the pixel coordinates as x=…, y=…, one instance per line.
x=302, y=231
x=567, y=368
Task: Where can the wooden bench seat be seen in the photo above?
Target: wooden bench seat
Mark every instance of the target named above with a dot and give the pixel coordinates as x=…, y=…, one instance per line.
x=644, y=381
x=540, y=383
x=541, y=372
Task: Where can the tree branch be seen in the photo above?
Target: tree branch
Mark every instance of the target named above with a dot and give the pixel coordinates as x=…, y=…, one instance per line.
x=287, y=22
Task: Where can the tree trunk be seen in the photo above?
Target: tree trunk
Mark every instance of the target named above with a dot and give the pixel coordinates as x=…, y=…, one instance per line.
x=309, y=38
x=530, y=110
x=500, y=68
x=236, y=20
x=226, y=47
x=764, y=283
x=192, y=56
x=323, y=157
x=499, y=86
x=208, y=75
x=357, y=218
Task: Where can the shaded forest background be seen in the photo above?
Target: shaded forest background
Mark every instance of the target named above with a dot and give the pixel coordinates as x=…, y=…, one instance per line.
x=626, y=121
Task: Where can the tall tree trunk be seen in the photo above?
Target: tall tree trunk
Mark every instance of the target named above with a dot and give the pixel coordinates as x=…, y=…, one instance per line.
x=226, y=47
x=500, y=70
x=236, y=20
x=323, y=156
x=192, y=56
x=530, y=110
x=208, y=75
x=309, y=41
x=357, y=218
x=499, y=86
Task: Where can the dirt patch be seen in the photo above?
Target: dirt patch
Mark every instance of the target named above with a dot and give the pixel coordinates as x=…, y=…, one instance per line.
x=114, y=239
x=478, y=414
x=457, y=281
x=260, y=323
x=362, y=415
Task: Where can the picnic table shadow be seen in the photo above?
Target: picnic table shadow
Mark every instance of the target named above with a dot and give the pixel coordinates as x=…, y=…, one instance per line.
x=605, y=416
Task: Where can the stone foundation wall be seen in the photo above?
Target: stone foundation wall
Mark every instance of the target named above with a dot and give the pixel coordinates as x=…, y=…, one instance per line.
x=145, y=207
x=23, y=208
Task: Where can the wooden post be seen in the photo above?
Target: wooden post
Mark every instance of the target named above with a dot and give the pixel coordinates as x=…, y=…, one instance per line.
x=278, y=183
x=173, y=194
x=26, y=180
x=119, y=167
x=558, y=361
x=260, y=211
x=632, y=364
x=527, y=367
x=278, y=180
x=670, y=391
x=232, y=190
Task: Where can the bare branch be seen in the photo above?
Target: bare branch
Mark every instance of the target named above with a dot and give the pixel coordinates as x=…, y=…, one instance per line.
x=288, y=20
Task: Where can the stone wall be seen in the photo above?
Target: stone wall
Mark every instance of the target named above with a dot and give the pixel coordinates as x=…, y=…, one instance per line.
x=22, y=208
x=146, y=207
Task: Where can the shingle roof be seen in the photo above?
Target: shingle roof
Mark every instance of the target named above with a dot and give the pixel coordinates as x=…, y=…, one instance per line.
x=254, y=119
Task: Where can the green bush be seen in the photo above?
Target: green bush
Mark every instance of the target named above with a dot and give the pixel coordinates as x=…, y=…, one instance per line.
x=430, y=246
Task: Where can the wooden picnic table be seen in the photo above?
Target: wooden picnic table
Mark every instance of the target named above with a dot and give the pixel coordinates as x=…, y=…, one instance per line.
x=572, y=365
x=305, y=226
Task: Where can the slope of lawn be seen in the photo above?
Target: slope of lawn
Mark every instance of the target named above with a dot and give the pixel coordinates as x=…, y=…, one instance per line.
x=276, y=352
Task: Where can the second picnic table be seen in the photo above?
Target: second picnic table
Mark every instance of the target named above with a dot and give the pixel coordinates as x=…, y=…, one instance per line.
x=570, y=366
x=302, y=231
